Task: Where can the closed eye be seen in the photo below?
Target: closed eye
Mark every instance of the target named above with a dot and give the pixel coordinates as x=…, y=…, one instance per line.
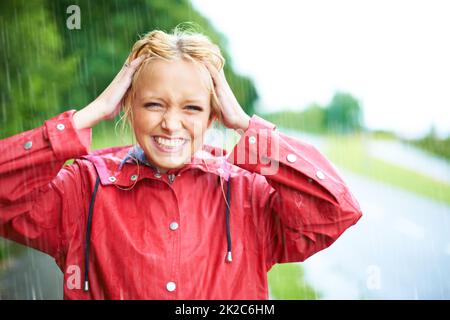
x=155, y=105
x=151, y=104
x=194, y=108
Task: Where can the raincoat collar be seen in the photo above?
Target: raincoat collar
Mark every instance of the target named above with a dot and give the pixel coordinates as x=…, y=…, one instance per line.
x=119, y=165
x=137, y=153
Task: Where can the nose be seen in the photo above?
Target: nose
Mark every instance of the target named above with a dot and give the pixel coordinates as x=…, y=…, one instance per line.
x=171, y=120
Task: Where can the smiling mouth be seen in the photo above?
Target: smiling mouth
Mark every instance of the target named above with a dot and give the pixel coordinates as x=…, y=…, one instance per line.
x=169, y=145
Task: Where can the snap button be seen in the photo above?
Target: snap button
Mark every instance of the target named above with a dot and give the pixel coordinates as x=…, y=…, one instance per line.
x=252, y=140
x=173, y=225
x=112, y=179
x=320, y=175
x=27, y=145
x=171, y=286
x=157, y=175
x=134, y=177
x=60, y=126
x=291, y=157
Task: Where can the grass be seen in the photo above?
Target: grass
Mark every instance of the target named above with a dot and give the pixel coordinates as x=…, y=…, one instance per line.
x=286, y=282
x=102, y=138
x=350, y=153
x=8, y=251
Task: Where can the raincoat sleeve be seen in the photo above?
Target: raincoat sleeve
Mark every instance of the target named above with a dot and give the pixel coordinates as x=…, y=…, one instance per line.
x=300, y=203
x=36, y=191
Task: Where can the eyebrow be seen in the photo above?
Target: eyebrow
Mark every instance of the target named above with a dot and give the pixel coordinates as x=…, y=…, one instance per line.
x=188, y=100
x=200, y=100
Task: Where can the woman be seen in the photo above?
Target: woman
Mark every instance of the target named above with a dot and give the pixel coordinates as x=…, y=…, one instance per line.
x=169, y=217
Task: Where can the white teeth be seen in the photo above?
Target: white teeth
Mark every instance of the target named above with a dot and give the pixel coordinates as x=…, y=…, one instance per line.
x=169, y=142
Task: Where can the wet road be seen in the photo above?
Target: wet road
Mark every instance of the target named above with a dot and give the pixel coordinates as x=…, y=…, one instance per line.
x=32, y=276
x=400, y=249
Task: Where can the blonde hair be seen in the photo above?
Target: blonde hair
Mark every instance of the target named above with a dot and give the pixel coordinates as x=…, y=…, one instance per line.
x=182, y=43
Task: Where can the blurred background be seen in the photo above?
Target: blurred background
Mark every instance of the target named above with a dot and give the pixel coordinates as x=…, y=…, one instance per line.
x=366, y=82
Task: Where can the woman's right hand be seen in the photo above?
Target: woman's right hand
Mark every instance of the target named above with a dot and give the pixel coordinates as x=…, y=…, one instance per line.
x=108, y=104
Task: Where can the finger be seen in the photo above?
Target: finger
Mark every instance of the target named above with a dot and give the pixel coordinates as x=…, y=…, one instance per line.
x=128, y=70
x=136, y=62
x=219, y=76
x=124, y=77
x=222, y=73
x=130, y=66
x=214, y=74
x=211, y=69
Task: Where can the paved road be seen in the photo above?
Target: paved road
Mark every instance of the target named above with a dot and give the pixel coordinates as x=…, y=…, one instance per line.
x=400, y=249
x=32, y=276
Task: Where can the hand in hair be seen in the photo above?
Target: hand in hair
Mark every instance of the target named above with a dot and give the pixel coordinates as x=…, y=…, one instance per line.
x=108, y=104
x=233, y=116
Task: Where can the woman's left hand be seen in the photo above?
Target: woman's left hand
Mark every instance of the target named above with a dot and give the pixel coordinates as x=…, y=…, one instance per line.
x=234, y=117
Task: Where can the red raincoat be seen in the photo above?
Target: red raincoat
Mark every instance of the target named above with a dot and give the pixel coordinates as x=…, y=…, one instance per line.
x=138, y=234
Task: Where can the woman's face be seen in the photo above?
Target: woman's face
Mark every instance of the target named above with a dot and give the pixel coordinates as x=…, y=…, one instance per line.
x=171, y=111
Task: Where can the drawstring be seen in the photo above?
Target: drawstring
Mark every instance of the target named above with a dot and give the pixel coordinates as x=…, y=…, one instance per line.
x=89, y=228
x=227, y=218
x=88, y=236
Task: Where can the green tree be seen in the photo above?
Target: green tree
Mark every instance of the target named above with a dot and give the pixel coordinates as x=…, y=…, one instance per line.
x=34, y=73
x=313, y=118
x=344, y=114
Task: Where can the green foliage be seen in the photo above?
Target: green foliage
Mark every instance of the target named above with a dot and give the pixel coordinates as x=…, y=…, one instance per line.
x=344, y=114
x=435, y=145
x=383, y=135
x=286, y=282
x=312, y=119
x=48, y=68
x=34, y=72
x=350, y=152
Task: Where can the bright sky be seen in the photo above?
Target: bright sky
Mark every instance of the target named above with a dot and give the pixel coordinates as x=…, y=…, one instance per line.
x=394, y=56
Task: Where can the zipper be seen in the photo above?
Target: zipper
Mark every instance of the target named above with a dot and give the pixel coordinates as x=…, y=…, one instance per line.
x=171, y=178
